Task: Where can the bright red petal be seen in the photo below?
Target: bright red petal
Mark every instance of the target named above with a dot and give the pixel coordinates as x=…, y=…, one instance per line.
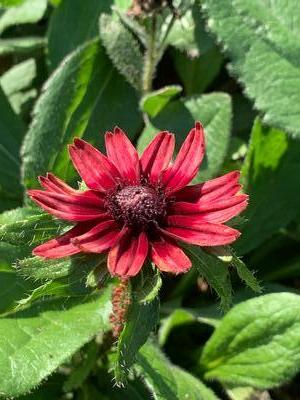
x=97, y=171
x=62, y=246
x=217, y=211
x=221, y=187
x=128, y=256
x=123, y=154
x=99, y=238
x=187, y=161
x=169, y=257
x=189, y=229
x=54, y=184
x=81, y=206
x=157, y=156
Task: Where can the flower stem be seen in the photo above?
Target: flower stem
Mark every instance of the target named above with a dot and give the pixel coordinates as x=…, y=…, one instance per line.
x=150, y=58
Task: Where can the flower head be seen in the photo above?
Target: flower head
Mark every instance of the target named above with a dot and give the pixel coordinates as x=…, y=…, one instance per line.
x=138, y=208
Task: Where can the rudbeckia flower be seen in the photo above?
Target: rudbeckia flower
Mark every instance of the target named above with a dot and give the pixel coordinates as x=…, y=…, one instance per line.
x=140, y=208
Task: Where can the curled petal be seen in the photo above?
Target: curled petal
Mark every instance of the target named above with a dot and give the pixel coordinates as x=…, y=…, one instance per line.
x=123, y=154
x=100, y=238
x=217, y=211
x=62, y=246
x=157, y=156
x=221, y=187
x=54, y=184
x=128, y=256
x=169, y=257
x=187, y=161
x=97, y=171
x=81, y=206
x=189, y=229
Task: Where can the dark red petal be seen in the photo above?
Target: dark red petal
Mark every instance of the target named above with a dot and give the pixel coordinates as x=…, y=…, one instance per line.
x=169, y=257
x=54, y=184
x=100, y=238
x=81, y=206
x=62, y=246
x=97, y=171
x=187, y=161
x=217, y=211
x=128, y=256
x=123, y=154
x=157, y=156
x=221, y=187
x=189, y=229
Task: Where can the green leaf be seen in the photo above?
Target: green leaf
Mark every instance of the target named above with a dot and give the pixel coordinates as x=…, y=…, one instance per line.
x=167, y=381
x=245, y=274
x=45, y=269
x=27, y=226
x=140, y=321
x=36, y=341
x=261, y=39
x=11, y=133
x=123, y=49
x=10, y=3
x=73, y=23
x=26, y=45
x=214, y=112
x=29, y=11
x=76, y=100
x=215, y=272
x=147, y=284
x=154, y=102
x=257, y=343
x=271, y=158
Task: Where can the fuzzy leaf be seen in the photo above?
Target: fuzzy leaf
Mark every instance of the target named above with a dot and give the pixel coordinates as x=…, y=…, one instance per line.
x=140, y=321
x=257, y=343
x=36, y=341
x=147, y=284
x=213, y=110
x=271, y=158
x=154, y=102
x=167, y=381
x=261, y=39
x=75, y=101
x=123, y=49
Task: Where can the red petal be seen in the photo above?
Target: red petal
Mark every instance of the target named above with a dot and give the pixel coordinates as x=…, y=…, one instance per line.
x=97, y=171
x=219, y=211
x=157, y=156
x=100, y=238
x=190, y=230
x=123, y=154
x=62, y=246
x=81, y=206
x=128, y=256
x=187, y=161
x=54, y=184
x=169, y=257
x=221, y=187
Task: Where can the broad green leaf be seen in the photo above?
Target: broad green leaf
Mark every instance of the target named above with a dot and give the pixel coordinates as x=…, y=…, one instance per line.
x=257, y=343
x=27, y=226
x=140, y=321
x=76, y=101
x=39, y=268
x=123, y=49
x=11, y=133
x=73, y=23
x=167, y=381
x=154, y=102
x=181, y=316
x=215, y=272
x=29, y=11
x=261, y=39
x=179, y=116
x=270, y=176
x=26, y=45
x=37, y=340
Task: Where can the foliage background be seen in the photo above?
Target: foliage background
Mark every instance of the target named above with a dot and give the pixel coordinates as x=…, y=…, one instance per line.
x=73, y=68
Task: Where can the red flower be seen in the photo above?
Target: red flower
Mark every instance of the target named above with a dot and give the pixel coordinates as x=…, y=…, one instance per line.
x=138, y=208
